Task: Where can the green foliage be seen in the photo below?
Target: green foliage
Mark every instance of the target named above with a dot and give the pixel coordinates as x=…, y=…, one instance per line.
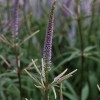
x=30, y=47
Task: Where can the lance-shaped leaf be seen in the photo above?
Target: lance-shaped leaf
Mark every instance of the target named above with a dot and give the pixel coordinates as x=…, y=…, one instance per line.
x=36, y=68
x=26, y=99
x=15, y=20
x=60, y=78
x=28, y=37
x=4, y=39
x=53, y=89
x=47, y=50
x=98, y=87
x=39, y=87
x=66, y=76
x=7, y=63
x=5, y=27
x=33, y=77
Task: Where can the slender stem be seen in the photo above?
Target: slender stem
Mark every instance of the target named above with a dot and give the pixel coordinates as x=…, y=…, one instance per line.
x=82, y=52
x=81, y=47
x=18, y=72
x=61, y=96
x=46, y=94
x=46, y=84
x=20, y=87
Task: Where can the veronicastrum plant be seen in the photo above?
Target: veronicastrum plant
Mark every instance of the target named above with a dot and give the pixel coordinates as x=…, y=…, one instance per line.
x=44, y=71
x=14, y=43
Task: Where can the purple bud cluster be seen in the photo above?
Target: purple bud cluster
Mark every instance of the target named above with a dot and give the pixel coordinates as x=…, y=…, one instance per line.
x=15, y=20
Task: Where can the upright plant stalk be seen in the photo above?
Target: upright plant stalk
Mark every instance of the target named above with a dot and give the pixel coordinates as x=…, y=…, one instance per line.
x=61, y=96
x=46, y=83
x=19, y=70
x=82, y=49
x=15, y=37
x=47, y=50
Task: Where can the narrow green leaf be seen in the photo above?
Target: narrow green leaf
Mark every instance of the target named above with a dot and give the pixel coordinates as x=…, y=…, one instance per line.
x=98, y=87
x=32, y=77
x=66, y=76
x=36, y=68
x=85, y=92
x=54, y=92
x=56, y=78
x=30, y=36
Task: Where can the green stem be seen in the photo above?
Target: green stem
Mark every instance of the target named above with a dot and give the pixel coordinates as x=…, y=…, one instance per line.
x=82, y=52
x=19, y=79
x=46, y=94
x=18, y=72
x=61, y=96
x=46, y=84
x=81, y=47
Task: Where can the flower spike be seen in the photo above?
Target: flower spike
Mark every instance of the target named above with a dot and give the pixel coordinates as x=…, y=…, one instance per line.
x=47, y=50
x=15, y=20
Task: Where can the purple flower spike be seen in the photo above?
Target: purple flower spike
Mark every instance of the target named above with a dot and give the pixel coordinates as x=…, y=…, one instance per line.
x=15, y=20
x=68, y=3
x=68, y=6
x=47, y=50
x=51, y=2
